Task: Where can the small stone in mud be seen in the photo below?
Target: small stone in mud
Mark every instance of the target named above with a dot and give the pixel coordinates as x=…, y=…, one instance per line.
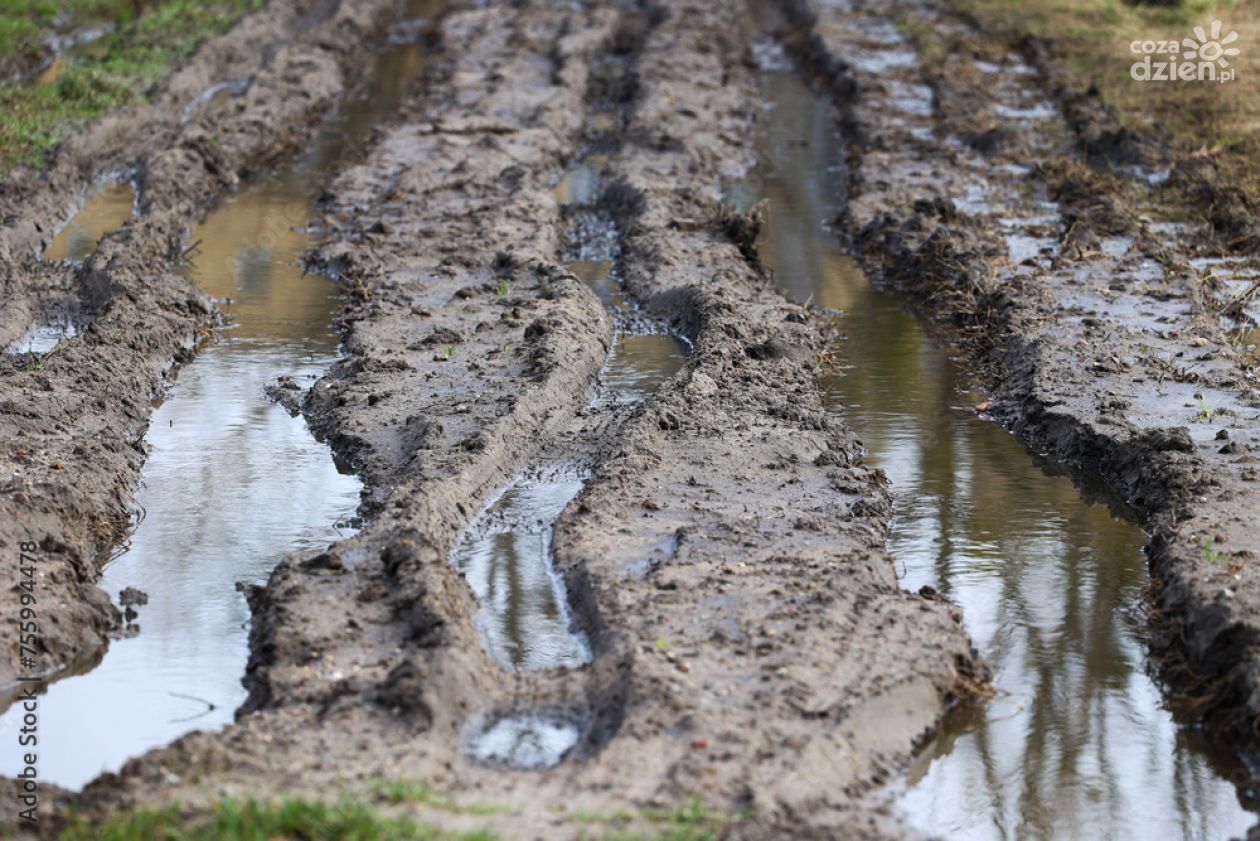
x=132, y=597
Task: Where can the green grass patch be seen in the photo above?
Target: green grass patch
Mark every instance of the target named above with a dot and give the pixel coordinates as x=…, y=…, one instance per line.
x=1092, y=38
x=418, y=793
x=26, y=24
x=265, y=820
x=691, y=820
x=118, y=69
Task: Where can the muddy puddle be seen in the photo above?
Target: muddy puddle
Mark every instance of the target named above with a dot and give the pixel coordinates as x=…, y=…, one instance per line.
x=526, y=742
x=106, y=207
x=506, y=558
x=1079, y=742
x=42, y=336
x=505, y=554
x=232, y=482
x=639, y=363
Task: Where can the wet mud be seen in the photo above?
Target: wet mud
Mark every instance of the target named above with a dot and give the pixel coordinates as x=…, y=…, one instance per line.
x=723, y=557
x=1051, y=578
x=623, y=547
x=75, y=407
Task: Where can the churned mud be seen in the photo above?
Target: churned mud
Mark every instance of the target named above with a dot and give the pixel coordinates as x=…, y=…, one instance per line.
x=619, y=550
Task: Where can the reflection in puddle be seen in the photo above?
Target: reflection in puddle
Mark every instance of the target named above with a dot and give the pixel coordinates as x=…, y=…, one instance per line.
x=107, y=207
x=644, y=354
x=232, y=482
x=639, y=363
x=1247, y=339
x=1050, y=585
x=528, y=742
x=581, y=185
x=505, y=555
x=598, y=274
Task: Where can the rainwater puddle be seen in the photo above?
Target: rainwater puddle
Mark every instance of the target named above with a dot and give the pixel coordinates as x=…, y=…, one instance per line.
x=232, y=482
x=639, y=363
x=1079, y=743
x=107, y=207
x=598, y=273
x=527, y=742
x=505, y=555
x=644, y=353
x=43, y=337
x=581, y=185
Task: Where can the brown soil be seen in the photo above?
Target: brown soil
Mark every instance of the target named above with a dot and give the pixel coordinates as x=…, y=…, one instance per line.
x=1105, y=345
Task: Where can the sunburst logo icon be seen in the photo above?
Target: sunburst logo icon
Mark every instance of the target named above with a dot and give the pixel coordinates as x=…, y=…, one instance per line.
x=1212, y=48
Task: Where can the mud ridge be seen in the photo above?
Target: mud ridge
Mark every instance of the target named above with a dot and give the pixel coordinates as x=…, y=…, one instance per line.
x=1095, y=326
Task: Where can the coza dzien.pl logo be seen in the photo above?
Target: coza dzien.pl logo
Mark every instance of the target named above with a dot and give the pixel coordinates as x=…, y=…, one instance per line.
x=1205, y=57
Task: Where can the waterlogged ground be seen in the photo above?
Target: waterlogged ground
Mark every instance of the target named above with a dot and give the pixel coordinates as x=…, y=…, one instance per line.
x=506, y=558
x=609, y=581
x=105, y=208
x=1078, y=740
x=232, y=482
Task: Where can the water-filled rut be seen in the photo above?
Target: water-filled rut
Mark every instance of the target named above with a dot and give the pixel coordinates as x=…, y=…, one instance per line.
x=232, y=482
x=1079, y=741
x=505, y=554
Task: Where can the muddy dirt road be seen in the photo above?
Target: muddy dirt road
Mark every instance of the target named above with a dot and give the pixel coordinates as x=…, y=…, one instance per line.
x=622, y=566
